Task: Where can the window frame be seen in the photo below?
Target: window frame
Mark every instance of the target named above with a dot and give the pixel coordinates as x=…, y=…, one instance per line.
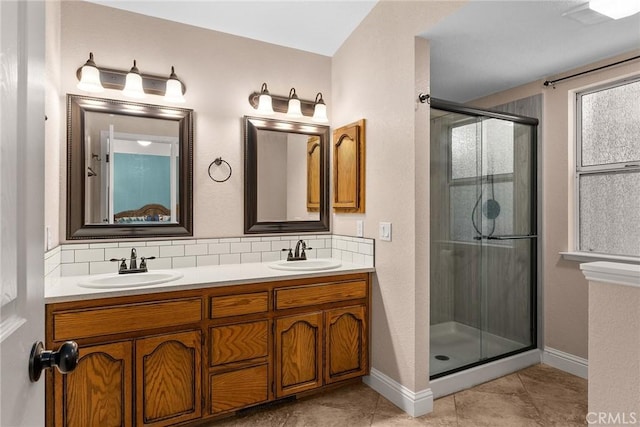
x=609, y=168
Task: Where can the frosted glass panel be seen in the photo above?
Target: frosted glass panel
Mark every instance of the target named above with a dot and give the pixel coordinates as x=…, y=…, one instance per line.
x=610, y=213
x=497, y=149
x=611, y=125
x=463, y=201
x=464, y=142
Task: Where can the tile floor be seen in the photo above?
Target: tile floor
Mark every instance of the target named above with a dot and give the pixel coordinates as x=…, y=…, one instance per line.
x=536, y=396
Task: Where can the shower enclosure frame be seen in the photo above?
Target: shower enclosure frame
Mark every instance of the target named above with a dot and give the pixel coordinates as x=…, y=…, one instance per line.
x=442, y=105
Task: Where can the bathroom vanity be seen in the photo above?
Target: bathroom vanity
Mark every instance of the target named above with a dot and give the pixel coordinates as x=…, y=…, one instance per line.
x=194, y=351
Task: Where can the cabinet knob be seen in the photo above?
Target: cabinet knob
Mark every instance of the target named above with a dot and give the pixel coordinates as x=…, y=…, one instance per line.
x=65, y=359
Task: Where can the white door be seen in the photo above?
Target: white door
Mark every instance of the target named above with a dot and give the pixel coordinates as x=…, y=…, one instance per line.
x=21, y=208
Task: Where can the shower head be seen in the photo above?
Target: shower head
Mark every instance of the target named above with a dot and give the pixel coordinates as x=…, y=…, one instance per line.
x=491, y=208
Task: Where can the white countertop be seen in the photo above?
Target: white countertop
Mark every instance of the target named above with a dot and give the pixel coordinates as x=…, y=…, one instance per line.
x=60, y=289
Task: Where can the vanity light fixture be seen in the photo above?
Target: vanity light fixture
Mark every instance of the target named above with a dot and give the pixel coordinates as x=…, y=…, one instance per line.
x=133, y=83
x=294, y=110
x=90, y=76
x=144, y=143
x=320, y=110
x=174, y=88
x=291, y=105
x=265, y=104
x=615, y=9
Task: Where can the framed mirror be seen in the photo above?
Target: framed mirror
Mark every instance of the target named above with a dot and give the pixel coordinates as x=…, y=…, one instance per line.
x=286, y=176
x=129, y=169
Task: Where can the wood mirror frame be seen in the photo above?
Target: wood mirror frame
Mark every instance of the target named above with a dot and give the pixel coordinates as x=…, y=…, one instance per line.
x=77, y=106
x=251, y=223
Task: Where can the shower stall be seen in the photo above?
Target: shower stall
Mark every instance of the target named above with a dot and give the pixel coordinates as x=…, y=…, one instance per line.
x=483, y=236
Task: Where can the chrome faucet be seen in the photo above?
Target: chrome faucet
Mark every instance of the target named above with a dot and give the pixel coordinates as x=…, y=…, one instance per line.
x=298, y=254
x=133, y=263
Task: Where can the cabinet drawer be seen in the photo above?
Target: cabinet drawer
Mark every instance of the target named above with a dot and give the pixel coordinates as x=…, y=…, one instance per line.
x=302, y=296
x=237, y=305
x=93, y=322
x=237, y=389
x=235, y=343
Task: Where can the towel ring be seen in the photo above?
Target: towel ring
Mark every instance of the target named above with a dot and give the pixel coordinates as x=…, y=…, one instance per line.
x=218, y=161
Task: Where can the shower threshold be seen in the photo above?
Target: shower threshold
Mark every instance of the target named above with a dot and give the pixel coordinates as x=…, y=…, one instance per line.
x=455, y=345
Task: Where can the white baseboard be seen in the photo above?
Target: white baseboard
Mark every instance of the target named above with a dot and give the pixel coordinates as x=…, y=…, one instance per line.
x=566, y=362
x=481, y=374
x=414, y=404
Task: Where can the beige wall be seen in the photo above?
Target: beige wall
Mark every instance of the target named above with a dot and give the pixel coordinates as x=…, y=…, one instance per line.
x=219, y=71
x=377, y=74
x=565, y=290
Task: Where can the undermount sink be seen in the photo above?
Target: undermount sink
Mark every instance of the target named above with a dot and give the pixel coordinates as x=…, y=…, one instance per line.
x=306, y=265
x=114, y=281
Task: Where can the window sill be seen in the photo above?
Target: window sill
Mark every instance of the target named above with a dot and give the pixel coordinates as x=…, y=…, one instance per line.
x=593, y=257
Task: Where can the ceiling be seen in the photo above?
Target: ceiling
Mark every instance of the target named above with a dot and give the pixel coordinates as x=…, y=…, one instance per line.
x=318, y=26
x=489, y=46
x=483, y=48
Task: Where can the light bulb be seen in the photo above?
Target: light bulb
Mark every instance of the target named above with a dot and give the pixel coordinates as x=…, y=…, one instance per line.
x=294, y=109
x=133, y=84
x=265, y=106
x=173, y=93
x=90, y=77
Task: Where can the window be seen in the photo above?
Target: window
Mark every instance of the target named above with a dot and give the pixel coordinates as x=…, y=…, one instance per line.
x=481, y=183
x=608, y=169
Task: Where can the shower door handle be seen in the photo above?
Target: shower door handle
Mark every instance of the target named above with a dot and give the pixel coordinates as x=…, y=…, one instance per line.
x=511, y=237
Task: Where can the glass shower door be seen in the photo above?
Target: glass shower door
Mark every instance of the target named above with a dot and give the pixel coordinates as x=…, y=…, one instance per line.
x=507, y=237
x=483, y=238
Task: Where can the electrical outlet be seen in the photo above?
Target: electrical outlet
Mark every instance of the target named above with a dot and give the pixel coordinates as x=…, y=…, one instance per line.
x=385, y=231
x=360, y=228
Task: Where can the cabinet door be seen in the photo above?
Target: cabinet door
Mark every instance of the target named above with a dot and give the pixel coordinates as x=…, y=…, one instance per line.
x=348, y=168
x=98, y=392
x=298, y=353
x=168, y=379
x=346, y=351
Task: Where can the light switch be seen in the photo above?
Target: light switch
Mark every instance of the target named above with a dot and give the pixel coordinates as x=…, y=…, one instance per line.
x=360, y=228
x=385, y=231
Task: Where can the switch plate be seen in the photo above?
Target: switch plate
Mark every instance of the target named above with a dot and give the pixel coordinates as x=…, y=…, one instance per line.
x=359, y=228
x=385, y=231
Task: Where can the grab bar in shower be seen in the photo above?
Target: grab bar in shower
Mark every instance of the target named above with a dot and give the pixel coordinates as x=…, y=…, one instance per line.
x=507, y=237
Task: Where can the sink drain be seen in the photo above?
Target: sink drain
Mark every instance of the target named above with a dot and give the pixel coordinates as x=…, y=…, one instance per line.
x=442, y=357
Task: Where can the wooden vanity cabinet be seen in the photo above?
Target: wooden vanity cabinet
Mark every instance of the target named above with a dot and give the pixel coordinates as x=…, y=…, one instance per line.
x=326, y=342
x=176, y=358
x=140, y=361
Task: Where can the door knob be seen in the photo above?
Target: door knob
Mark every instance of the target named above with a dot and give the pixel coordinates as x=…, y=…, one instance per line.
x=65, y=359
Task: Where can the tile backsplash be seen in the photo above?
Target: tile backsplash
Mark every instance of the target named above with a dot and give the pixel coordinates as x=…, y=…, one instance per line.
x=94, y=258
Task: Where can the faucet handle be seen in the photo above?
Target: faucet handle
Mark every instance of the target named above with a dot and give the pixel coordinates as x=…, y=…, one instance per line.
x=303, y=255
x=143, y=262
x=122, y=261
x=289, y=255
